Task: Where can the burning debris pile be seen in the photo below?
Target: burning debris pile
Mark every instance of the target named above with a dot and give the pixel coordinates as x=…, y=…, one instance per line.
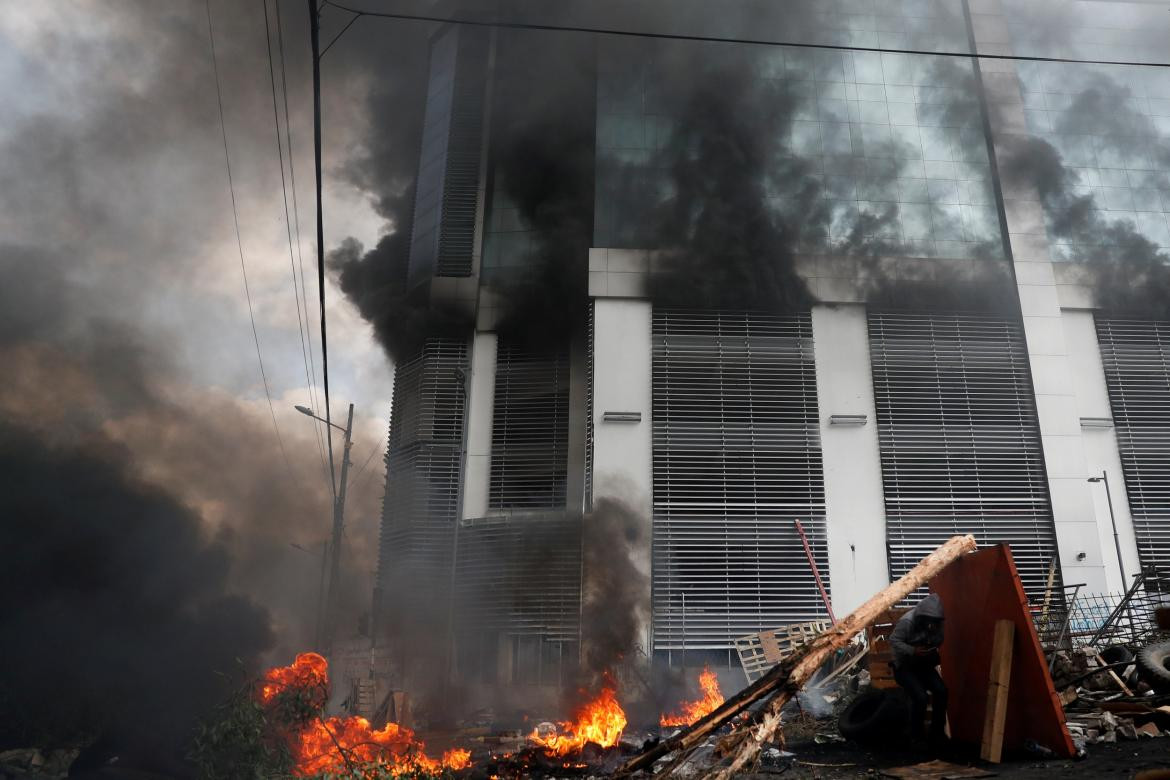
x=294, y=697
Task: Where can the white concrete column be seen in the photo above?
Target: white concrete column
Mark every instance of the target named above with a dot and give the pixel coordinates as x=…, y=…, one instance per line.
x=1100, y=445
x=1077, y=536
x=480, y=402
x=854, y=500
x=623, y=465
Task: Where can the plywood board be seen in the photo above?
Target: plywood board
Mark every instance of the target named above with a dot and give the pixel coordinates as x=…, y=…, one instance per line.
x=977, y=590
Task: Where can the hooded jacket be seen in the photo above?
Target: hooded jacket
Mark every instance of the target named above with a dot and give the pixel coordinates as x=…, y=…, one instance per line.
x=911, y=633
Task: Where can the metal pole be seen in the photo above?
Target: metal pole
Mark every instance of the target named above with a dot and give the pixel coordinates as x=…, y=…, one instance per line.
x=816, y=572
x=1113, y=520
x=335, y=543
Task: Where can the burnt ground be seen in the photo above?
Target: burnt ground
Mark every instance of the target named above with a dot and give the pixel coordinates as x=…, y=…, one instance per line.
x=847, y=760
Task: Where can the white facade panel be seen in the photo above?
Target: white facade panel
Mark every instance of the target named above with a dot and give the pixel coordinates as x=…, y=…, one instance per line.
x=855, y=522
x=623, y=451
x=481, y=397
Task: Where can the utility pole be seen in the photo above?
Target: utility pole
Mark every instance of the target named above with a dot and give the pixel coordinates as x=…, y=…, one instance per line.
x=328, y=624
x=335, y=543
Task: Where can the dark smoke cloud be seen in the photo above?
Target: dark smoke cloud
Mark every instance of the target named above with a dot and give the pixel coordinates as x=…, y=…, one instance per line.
x=152, y=510
x=615, y=592
x=1128, y=272
x=114, y=605
x=725, y=245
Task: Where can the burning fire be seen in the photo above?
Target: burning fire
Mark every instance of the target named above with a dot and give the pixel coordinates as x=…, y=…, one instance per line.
x=693, y=710
x=335, y=744
x=601, y=720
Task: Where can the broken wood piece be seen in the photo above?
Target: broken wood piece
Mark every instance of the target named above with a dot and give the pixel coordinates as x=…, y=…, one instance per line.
x=789, y=677
x=1109, y=668
x=998, y=684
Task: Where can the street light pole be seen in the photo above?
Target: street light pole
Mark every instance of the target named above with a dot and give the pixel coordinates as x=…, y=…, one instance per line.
x=329, y=624
x=338, y=530
x=1113, y=520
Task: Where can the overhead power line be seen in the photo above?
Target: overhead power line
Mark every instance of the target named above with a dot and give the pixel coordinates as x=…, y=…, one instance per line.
x=508, y=25
x=287, y=217
x=239, y=241
x=292, y=171
x=315, y=40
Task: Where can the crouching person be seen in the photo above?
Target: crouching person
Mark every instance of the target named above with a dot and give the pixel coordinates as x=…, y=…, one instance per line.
x=915, y=641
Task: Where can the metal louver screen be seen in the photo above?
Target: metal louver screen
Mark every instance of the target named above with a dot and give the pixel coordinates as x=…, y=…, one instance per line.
x=521, y=575
x=464, y=155
x=530, y=428
x=1136, y=356
x=423, y=467
x=960, y=442
x=737, y=458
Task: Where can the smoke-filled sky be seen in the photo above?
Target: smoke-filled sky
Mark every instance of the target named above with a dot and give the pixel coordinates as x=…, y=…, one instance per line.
x=151, y=477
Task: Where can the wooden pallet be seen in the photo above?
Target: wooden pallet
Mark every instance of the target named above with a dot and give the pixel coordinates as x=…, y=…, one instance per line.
x=760, y=652
x=881, y=655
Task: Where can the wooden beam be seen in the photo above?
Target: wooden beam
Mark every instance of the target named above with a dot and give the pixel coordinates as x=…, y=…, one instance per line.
x=998, y=684
x=790, y=676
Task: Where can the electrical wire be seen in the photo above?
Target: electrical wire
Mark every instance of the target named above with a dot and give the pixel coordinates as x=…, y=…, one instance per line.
x=315, y=43
x=373, y=452
x=287, y=217
x=716, y=39
x=337, y=37
x=313, y=394
x=239, y=241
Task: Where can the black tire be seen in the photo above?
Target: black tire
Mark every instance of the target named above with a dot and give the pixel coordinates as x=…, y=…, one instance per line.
x=1152, y=665
x=874, y=715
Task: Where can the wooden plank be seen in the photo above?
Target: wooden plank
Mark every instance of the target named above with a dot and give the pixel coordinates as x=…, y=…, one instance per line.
x=998, y=684
x=1124, y=688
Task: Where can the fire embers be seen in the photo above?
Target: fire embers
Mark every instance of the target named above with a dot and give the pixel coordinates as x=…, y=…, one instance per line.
x=293, y=697
x=600, y=721
x=691, y=711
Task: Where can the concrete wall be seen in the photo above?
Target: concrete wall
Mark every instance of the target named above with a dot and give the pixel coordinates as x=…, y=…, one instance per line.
x=854, y=502
x=623, y=451
x=1100, y=446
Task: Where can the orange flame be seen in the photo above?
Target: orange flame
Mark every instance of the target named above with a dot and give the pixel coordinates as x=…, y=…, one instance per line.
x=601, y=720
x=309, y=674
x=334, y=744
x=691, y=711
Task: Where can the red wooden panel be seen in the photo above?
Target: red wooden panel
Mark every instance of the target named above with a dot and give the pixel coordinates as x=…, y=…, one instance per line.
x=976, y=591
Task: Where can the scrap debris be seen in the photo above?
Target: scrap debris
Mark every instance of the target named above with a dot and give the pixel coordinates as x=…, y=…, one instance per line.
x=778, y=685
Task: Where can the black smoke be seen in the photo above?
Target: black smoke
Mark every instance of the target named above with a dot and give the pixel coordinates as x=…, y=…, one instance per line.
x=1128, y=272
x=724, y=243
x=114, y=605
x=615, y=590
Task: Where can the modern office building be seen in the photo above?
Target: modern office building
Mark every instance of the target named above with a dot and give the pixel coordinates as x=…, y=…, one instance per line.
x=883, y=416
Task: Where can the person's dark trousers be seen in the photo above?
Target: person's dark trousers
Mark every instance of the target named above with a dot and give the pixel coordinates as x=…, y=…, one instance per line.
x=920, y=680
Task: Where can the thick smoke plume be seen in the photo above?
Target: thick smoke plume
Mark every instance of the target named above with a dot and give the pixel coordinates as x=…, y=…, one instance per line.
x=725, y=245
x=115, y=606
x=1128, y=272
x=151, y=509
x=615, y=592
